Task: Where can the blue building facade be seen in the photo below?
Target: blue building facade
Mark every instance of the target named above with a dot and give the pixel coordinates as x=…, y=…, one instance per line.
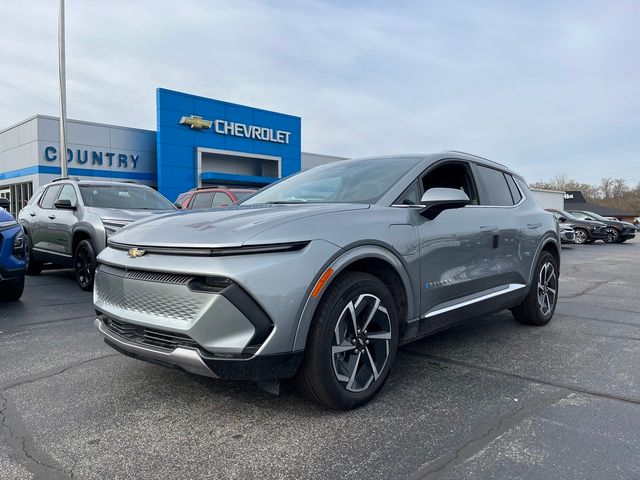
x=204, y=141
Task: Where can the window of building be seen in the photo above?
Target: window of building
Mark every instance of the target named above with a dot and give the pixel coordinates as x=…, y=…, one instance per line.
x=496, y=186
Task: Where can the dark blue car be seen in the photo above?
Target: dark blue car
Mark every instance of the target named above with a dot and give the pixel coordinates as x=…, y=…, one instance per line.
x=12, y=257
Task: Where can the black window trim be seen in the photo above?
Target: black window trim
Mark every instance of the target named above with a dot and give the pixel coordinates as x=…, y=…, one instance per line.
x=484, y=202
x=417, y=179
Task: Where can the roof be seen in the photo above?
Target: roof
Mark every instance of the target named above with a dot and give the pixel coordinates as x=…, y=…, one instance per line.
x=599, y=209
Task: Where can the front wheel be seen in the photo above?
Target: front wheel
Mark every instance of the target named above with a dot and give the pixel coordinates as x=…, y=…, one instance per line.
x=582, y=236
x=540, y=303
x=32, y=266
x=612, y=236
x=12, y=290
x=352, y=342
x=84, y=262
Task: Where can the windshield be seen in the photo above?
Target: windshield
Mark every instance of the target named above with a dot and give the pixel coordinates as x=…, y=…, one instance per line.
x=565, y=214
x=596, y=216
x=125, y=197
x=361, y=181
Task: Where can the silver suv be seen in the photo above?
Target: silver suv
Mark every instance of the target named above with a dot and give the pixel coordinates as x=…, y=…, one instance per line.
x=68, y=221
x=323, y=274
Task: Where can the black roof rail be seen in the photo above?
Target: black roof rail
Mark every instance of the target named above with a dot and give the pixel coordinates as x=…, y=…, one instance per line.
x=129, y=181
x=476, y=156
x=75, y=179
x=207, y=187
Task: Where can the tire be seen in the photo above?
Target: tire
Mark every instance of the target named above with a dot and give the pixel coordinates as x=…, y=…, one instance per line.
x=622, y=240
x=12, y=290
x=534, y=309
x=344, y=367
x=612, y=235
x=33, y=266
x=582, y=236
x=84, y=262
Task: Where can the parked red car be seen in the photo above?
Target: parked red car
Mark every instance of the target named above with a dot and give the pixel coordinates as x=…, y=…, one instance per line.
x=209, y=197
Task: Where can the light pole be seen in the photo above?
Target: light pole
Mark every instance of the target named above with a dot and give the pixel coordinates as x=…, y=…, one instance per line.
x=63, y=94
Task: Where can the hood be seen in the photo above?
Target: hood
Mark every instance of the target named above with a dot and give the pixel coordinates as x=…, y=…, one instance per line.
x=124, y=216
x=220, y=227
x=5, y=216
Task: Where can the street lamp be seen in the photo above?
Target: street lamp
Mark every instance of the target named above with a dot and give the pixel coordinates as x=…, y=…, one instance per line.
x=63, y=94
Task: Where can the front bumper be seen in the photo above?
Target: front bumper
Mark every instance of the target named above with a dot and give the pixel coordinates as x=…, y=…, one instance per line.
x=567, y=236
x=628, y=233
x=197, y=361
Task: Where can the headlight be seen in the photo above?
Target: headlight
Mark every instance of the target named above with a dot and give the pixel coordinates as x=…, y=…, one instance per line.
x=112, y=226
x=8, y=224
x=18, y=245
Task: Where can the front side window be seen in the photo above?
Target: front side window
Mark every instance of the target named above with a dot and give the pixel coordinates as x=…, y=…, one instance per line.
x=50, y=196
x=496, y=186
x=68, y=193
x=359, y=181
x=126, y=197
x=580, y=215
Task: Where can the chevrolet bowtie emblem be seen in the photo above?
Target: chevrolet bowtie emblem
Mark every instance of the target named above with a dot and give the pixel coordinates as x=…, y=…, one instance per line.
x=136, y=252
x=196, y=122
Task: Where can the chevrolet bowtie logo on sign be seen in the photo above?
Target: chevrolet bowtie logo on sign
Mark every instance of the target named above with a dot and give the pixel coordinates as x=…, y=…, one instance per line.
x=237, y=129
x=136, y=252
x=196, y=122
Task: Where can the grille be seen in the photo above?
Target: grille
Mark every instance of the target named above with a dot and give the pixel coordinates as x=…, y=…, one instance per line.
x=159, y=277
x=160, y=299
x=148, y=336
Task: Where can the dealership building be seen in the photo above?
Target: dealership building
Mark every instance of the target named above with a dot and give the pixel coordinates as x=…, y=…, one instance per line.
x=198, y=142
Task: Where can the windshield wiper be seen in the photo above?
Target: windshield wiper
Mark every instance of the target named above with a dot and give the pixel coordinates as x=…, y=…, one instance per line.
x=284, y=202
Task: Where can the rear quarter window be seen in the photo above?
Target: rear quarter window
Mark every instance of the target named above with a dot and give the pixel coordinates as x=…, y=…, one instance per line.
x=495, y=186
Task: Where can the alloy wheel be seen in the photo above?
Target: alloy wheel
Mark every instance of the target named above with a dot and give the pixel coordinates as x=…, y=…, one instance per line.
x=361, y=342
x=83, y=266
x=547, y=289
x=581, y=236
x=612, y=235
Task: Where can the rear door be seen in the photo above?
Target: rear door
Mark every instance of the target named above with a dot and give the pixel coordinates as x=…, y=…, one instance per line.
x=42, y=235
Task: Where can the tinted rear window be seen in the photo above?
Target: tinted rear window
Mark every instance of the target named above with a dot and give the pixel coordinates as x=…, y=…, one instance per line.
x=496, y=186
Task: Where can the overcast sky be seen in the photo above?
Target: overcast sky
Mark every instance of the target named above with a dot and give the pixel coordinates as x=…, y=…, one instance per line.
x=545, y=87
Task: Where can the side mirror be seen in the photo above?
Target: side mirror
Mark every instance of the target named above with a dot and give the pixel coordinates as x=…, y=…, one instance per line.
x=437, y=200
x=562, y=219
x=64, y=204
x=178, y=206
x=589, y=218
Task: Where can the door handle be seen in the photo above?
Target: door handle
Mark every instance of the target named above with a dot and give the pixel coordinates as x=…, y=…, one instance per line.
x=534, y=225
x=32, y=214
x=52, y=217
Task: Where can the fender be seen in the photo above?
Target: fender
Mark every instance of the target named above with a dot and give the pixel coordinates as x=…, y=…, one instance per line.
x=338, y=264
x=89, y=230
x=549, y=237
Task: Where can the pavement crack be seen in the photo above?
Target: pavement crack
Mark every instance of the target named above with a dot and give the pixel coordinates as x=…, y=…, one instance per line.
x=485, y=436
x=51, y=373
x=13, y=430
x=528, y=378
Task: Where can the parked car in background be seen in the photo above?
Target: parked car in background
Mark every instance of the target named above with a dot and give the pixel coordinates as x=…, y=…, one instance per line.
x=585, y=231
x=211, y=197
x=567, y=234
x=616, y=231
x=68, y=221
x=323, y=274
x=12, y=257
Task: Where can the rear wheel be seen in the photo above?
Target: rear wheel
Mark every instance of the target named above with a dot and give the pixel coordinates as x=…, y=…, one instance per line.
x=84, y=262
x=540, y=303
x=32, y=266
x=352, y=343
x=12, y=290
x=612, y=236
x=581, y=236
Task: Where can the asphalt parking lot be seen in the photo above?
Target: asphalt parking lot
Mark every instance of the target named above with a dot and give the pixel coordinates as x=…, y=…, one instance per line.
x=491, y=399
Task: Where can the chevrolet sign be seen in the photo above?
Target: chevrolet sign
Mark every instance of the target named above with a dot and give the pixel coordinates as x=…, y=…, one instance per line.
x=224, y=127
